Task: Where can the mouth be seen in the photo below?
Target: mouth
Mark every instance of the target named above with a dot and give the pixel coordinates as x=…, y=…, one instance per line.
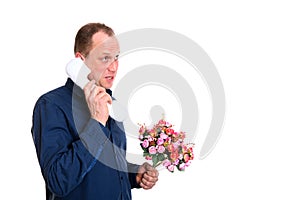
x=109, y=78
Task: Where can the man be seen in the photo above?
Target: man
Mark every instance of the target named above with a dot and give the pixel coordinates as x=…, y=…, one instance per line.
x=80, y=148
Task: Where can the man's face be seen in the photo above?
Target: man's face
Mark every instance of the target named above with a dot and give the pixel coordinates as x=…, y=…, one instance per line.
x=103, y=59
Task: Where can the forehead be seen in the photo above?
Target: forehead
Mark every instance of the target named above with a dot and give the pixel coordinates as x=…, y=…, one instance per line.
x=105, y=42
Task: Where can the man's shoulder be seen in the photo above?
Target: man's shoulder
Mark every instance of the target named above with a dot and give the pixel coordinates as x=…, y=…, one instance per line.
x=56, y=96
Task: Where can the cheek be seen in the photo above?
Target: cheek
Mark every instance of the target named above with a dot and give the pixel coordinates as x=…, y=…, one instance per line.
x=102, y=71
x=98, y=69
x=99, y=74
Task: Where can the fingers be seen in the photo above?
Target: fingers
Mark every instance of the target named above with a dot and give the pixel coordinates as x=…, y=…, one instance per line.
x=99, y=94
x=88, y=87
x=150, y=176
x=148, y=181
x=97, y=99
x=92, y=90
x=146, y=185
x=151, y=171
x=149, y=167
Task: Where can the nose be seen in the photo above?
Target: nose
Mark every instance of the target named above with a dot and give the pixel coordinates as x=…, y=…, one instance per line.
x=113, y=66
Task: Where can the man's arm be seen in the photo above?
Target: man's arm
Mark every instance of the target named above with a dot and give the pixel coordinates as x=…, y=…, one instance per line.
x=64, y=162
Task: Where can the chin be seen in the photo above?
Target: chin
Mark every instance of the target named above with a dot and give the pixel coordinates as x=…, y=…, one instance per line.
x=107, y=86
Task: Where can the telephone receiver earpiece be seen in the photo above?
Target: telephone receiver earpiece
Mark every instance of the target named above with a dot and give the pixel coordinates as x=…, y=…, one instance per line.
x=77, y=70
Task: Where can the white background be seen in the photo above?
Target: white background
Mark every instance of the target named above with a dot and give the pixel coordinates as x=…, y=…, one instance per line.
x=255, y=46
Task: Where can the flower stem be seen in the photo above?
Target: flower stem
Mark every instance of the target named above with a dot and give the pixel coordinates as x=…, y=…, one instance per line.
x=157, y=164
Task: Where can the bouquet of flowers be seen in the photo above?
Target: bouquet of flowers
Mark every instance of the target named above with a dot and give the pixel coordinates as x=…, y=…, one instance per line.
x=163, y=145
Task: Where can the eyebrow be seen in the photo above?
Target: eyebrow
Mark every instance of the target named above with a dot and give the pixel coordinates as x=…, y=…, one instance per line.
x=108, y=53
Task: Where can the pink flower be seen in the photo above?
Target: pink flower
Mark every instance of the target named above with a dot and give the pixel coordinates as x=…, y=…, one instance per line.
x=171, y=168
x=174, y=155
x=163, y=143
x=171, y=148
x=176, y=162
x=163, y=136
x=152, y=150
x=160, y=141
x=186, y=157
x=161, y=149
x=166, y=163
x=182, y=135
x=175, y=134
x=182, y=166
x=162, y=122
x=176, y=144
x=180, y=157
x=148, y=158
x=141, y=137
x=188, y=163
x=142, y=129
x=150, y=139
x=145, y=143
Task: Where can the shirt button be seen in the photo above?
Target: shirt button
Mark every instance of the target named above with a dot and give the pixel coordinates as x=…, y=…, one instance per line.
x=121, y=177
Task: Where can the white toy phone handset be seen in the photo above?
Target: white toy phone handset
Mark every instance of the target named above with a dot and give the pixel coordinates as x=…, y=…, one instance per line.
x=78, y=72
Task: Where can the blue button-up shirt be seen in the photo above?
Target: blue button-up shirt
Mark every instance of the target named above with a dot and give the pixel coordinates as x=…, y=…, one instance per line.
x=79, y=157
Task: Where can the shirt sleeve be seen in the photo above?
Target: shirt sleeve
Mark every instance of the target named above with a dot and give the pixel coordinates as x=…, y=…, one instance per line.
x=132, y=172
x=64, y=161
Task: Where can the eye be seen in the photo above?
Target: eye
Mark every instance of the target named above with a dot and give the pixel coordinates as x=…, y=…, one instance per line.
x=105, y=59
x=116, y=57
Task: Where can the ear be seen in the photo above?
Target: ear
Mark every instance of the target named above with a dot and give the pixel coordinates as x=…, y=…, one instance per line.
x=79, y=55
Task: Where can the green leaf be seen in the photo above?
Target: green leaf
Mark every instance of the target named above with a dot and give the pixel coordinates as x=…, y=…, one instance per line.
x=161, y=157
x=146, y=154
x=155, y=160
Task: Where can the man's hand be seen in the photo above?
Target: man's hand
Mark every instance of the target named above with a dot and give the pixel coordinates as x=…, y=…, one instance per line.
x=97, y=99
x=147, y=176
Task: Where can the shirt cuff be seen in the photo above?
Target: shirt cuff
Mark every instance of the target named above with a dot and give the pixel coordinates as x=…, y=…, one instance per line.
x=133, y=169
